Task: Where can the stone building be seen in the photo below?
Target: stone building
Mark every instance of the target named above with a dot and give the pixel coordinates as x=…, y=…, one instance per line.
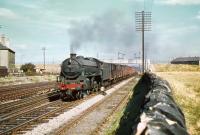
x=7, y=56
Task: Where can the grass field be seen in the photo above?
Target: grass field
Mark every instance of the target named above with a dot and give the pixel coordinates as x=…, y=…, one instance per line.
x=185, y=82
x=176, y=68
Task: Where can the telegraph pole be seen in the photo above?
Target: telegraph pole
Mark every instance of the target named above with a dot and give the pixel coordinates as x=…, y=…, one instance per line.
x=120, y=56
x=138, y=58
x=44, y=49
x=143, y=23
x=146, y=56
x=143, y=42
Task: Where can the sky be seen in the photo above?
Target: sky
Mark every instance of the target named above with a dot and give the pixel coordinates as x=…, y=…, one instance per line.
x=97, y=28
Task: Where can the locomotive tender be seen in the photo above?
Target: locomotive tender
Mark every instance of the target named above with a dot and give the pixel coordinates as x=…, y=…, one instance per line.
x=82, y=75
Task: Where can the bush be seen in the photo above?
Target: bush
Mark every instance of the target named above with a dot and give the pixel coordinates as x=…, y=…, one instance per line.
x=28, y=69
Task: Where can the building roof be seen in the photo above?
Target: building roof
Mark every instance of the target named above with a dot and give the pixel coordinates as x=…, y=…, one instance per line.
x=186, y=59
x=2, y=47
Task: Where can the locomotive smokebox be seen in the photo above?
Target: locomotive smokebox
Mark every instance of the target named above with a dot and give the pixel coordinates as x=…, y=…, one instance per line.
x=72, y=55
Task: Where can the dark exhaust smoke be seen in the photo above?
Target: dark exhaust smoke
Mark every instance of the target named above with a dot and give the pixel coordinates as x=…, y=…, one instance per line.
x=111, y=31
x=74, y=46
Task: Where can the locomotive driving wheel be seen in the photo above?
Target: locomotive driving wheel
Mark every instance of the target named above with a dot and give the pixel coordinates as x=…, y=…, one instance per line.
x=79, y=95
x=87, y=92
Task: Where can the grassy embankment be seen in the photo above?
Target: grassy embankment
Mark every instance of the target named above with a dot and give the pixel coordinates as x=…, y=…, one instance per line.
x=185, y=82
x=113, y=121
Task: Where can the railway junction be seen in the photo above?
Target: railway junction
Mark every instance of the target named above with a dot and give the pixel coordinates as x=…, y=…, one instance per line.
x=97, y=113
x=27, y=114
x=88, y=97
x=95, y=67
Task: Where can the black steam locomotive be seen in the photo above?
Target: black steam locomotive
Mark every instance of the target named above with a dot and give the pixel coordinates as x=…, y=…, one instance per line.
x=82, y=75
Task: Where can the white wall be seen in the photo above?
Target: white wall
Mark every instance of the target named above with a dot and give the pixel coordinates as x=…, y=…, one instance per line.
x=4, y=58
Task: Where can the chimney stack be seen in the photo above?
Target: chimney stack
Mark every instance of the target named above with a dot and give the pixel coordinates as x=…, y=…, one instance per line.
x=4, y=41
x=72, y=55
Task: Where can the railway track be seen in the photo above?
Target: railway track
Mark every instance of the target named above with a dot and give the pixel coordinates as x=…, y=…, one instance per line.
x=15, y=87
x=29, y=112
x=88, y=123
x=14, y=108
x=27, y=119
x=25, y=90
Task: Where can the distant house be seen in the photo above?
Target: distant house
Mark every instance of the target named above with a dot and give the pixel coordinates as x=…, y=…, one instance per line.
x=7, y=57
x=186, y=60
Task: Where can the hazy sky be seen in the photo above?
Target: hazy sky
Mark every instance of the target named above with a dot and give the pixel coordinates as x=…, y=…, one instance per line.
x=99, y=27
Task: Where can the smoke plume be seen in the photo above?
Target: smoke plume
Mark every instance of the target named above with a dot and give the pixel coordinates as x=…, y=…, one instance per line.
x=111, y=32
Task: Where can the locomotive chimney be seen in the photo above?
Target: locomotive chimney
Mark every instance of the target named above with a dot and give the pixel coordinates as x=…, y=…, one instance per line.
x=72, y=55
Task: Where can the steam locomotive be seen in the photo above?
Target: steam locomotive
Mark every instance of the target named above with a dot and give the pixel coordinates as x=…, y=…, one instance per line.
x=80, y=76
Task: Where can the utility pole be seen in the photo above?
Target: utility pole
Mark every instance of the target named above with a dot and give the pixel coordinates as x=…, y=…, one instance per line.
x=143, y=23
x=44, y=49
x=146, y=49
x=138, y=58
x=120, y=56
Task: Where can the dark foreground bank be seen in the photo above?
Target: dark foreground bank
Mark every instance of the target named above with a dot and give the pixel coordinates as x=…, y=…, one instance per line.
x=152, y=110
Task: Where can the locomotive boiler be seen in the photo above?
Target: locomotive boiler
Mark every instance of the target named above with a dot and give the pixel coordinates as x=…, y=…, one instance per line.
x=80, y=76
